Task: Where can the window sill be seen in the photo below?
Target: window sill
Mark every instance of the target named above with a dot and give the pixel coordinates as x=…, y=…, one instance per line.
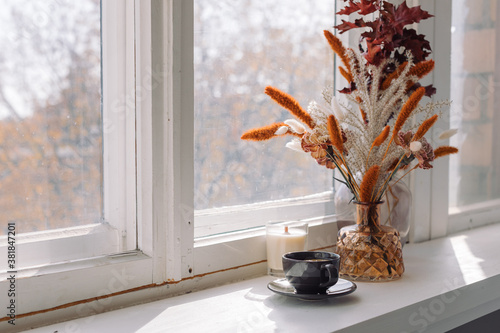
x=448, y=282
x=63, y=244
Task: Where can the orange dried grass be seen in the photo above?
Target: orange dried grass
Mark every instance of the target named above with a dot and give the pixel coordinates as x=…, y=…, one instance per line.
x=444, y=150
x=289, y=103
x=368, y=183
x=393, y=165
x=262, y=133
x=339, y=49
x=388, y=80
x=363, y=113
x=421, y=69
x=335, y=133
x=424, y=127
x=410, y=105
x=379, y=140
x=381, y=137
x=345, y=74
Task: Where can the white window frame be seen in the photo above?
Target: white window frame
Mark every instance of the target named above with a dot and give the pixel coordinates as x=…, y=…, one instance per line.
x=170, y=261
x=41, y=287
x=240, y=217
x=109, y=235
x=119, y=103
x=213, y=222
x=431, y=217
x=430, y=188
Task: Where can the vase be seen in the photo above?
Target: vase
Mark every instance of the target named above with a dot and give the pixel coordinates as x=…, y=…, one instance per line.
x=395, y=211
x=368, y=250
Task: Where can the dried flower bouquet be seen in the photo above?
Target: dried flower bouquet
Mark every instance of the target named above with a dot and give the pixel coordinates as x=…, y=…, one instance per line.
x=374, y=132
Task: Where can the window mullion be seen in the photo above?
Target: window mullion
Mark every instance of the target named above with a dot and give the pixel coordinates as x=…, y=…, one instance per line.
x=130, y=130
x=172, y=135
x=183, y=136
x=441, y=77
x=119, y=119
x=430, y=187
x=147, y=78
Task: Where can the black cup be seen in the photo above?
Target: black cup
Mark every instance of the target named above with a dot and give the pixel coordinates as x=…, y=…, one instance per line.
x=311, y=272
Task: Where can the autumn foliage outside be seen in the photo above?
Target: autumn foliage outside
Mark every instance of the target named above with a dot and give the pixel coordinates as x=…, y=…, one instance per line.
x=50, y=129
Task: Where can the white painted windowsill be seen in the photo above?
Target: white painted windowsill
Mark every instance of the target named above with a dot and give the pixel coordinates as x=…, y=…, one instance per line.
x=447, y=283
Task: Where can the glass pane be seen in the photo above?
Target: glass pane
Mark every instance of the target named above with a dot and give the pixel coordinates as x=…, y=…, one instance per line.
x=50, y=118
x=240, y=48
x=475, y=91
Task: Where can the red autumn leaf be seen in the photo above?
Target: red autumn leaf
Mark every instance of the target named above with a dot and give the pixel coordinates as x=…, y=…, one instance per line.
x=417, y=44
x=377, y=35
x=403, y=15
x=411, y=15
x=346, y=25
x=364, y=7
x=348, y=90
x=367, y=7
x=429, y=90
x=374, y=53
x=348, y=9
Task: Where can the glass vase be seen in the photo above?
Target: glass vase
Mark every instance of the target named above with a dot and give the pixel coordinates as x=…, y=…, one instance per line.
x=395, y=211
x=369, y=251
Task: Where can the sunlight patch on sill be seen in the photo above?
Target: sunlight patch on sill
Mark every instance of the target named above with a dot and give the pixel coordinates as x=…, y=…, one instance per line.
x=469, y=264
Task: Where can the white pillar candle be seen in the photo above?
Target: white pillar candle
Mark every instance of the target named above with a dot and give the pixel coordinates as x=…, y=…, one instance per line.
x=283, y=239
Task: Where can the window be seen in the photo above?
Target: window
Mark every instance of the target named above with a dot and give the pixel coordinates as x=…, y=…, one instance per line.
x=69, y=166
x=50, y=115
x=443, y=200
x=146, y=182
x=52, y=138
x=475, y=73
x=240, y=48
x=148, y=198
x=475, y=76
x=61, y=190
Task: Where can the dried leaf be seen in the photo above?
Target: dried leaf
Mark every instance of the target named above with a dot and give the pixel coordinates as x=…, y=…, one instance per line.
x=364, y=7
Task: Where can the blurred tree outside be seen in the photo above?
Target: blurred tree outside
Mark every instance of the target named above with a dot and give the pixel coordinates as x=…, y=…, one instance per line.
x=240, y=48
x=50, y=117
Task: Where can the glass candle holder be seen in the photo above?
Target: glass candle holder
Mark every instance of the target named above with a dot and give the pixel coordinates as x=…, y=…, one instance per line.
x=282, y=238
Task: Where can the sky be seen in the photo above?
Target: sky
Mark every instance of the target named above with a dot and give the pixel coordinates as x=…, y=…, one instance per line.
x=37, y=39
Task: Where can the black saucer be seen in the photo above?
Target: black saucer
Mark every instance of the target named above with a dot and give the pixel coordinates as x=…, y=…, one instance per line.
x=341, y=288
